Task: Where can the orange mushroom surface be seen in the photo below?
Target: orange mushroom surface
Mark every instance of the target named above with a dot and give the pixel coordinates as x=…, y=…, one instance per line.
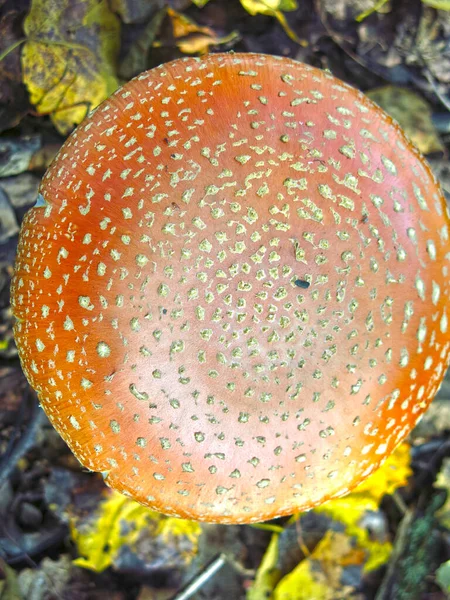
x=232, y=294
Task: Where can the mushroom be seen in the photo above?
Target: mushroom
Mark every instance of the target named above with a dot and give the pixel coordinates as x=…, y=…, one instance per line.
x=231, y=295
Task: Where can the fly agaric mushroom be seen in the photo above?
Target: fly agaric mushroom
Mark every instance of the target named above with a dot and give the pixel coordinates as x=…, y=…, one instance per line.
x=231, y=294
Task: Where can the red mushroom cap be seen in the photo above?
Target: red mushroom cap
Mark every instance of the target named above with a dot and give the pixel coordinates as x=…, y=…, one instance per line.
x=232, y=294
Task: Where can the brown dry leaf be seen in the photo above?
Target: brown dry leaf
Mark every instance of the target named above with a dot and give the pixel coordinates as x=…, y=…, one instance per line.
x=192, y=38
x=69, y=58
x=412, y=113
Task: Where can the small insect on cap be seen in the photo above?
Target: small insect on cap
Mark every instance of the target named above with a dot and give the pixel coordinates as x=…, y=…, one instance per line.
x=233, y=298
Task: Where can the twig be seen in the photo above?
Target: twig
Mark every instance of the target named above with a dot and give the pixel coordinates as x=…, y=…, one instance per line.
x=193, y=586
x=8, y=50
x=428, y=74
x=17, y=449
x=405, y=526
x=416, y=553
x=400, y=503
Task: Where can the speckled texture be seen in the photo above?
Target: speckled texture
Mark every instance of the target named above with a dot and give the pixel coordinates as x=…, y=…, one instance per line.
x=232, y=297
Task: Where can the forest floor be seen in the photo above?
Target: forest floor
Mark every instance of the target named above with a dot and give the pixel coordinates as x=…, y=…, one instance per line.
x=63, y=534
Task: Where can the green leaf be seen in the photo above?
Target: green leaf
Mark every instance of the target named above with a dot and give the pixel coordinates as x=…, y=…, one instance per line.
x=9, y=586
x=268, y=7
x=443, y=576
x=371, y=10
x=439, y=4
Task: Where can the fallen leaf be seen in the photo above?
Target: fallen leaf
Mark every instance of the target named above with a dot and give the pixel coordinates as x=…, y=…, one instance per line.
x=352, y=509
x=274, y=8
x=439, y=4
x=413, y=114
x=49, y=574
x=303, y=584
x=136, y=58
x=13, y=94
x=348, y=542
x=394, y=473
x=18, y=153
x=376, y=7
x=267, y=575
x=136, y=11
x=192, y=38
x=119, y=522
x=9, y=585
x=443, y=576
x=68, y=61
x=443, y=482
x=319, y=576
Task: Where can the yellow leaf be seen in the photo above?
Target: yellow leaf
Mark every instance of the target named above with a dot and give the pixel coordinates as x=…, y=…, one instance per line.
x=118, y=521
x=99, y=541
x=263, y=7
x=171, y=528
x=302, y=584
x=336, y=550
x=319, y=576
x=390, y=476
x=309, y=582
x=267, y=575
x=274, y=8
x=68, y=61
x=351, y=509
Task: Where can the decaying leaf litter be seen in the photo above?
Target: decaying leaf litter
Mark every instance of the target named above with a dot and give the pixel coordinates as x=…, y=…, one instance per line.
x=62, y=533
